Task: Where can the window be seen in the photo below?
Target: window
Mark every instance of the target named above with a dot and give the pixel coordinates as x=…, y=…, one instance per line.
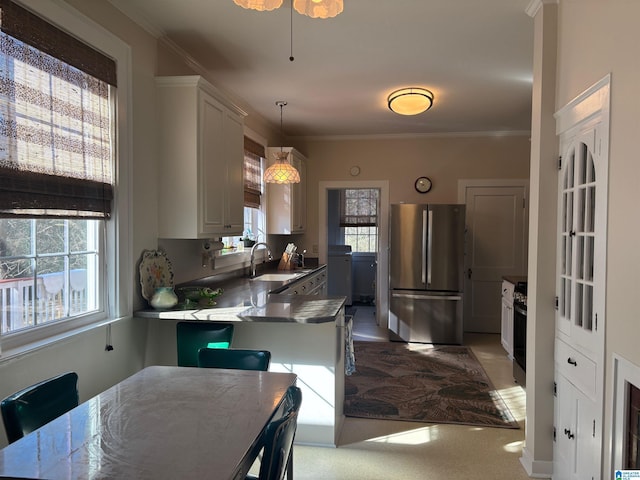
x=63, y=240
x=254, y=219
x=49, y=271
x=359, y=218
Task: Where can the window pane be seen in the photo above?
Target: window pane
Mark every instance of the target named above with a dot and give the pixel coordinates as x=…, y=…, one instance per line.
x=15, y=237
x=361, y=239
x=50, y=236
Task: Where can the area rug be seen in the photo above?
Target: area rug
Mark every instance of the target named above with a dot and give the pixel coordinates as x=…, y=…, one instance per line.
x=423, y=383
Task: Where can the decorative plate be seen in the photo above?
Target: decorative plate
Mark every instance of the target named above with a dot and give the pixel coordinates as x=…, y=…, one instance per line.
x=155, y=271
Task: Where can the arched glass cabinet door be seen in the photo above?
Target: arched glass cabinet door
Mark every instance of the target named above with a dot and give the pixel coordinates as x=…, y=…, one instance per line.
x=578, y=233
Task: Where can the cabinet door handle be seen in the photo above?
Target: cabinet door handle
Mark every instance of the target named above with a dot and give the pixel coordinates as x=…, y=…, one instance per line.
x=568, y=433
x=571, y=361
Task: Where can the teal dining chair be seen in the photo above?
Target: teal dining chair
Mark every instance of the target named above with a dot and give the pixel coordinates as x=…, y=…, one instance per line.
x=30, y=408
x=277, y=456
x=192, y=336
x=234, y=358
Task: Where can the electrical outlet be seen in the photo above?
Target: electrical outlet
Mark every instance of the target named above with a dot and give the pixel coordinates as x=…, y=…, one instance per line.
x=314, y=248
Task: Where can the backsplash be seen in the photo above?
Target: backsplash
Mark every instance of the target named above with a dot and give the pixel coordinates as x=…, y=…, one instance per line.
x=186, y=257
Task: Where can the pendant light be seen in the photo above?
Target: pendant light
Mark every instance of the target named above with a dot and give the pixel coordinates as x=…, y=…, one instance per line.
x=281, y=171
x=319, y=8
x=259, y=5
x=310, y=8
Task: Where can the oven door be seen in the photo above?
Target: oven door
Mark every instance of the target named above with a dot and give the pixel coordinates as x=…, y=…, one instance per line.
x=519, y=342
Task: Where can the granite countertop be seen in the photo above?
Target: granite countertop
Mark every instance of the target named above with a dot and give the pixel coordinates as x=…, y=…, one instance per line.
x=256, y=300
x=298, y=308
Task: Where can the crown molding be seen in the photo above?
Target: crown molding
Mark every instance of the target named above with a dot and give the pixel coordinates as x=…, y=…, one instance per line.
x=404, y=136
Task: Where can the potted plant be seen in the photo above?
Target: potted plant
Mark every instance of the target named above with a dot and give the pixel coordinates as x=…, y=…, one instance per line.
x=248, y=239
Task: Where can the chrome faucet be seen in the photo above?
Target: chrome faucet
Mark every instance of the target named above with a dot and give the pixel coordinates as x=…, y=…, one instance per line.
x=253, y=263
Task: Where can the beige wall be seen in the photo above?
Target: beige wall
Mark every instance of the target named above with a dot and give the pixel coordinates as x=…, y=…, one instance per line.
x=610, y=45
x=445, y=159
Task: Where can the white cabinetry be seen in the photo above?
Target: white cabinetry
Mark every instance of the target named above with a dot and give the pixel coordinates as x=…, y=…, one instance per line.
x=507, y=317
x=577, y=427
x=287, y=204
x=581, y=280
x=201, y=160
x=312, y=284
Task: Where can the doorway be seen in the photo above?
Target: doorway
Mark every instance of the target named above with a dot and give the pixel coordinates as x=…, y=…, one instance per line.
x=378, y=268
x=496, y=245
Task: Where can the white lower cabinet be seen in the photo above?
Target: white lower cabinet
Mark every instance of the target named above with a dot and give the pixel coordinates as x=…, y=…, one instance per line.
x=313, y=284
x=506, y=330
x=576, y=434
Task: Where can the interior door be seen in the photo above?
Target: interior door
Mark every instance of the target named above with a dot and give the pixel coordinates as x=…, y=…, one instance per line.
x=496, y=246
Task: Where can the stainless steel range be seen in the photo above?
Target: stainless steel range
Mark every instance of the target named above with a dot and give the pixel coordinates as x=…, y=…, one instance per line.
x=520, y=333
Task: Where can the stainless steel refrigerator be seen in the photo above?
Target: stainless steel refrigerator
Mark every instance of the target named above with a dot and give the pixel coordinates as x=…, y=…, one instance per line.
x=426, y=263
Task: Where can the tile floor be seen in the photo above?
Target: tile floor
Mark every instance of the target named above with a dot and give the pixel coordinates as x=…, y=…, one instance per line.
x=382, y=449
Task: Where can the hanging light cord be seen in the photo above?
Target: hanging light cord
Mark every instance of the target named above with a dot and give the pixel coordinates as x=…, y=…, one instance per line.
x=281, y=104
x=291, y=51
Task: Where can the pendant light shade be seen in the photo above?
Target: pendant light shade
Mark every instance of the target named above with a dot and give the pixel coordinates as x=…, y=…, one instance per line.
x=259, y=5
x=318, y=8
x=281, y=171
x=410, y=101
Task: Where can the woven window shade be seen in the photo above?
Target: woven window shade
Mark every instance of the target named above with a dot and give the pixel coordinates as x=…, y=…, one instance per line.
x=253, y=155
x=55, y=121
x=358, y=208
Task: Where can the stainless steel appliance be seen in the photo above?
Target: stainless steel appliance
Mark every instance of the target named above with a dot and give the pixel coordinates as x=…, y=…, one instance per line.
x=520, y=333
x=339, y=270
x=426, y=263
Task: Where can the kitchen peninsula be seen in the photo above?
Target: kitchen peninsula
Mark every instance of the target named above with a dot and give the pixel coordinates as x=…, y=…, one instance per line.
x=304, y=332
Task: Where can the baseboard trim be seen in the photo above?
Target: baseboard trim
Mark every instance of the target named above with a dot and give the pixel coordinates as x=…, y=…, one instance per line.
x=535, y=468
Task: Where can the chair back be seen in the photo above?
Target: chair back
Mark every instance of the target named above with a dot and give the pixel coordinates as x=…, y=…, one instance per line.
x=30, y=408
x=279, y=437
x=234, y=358
x=192, y=336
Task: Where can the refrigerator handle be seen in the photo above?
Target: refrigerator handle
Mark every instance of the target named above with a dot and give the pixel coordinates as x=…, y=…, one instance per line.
x=425, y=240
x=429, y=246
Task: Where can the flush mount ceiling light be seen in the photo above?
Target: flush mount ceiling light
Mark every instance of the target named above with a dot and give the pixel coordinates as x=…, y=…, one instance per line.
x=260, y=5
x=319, y=8
x=410, y=101
x=281, y=171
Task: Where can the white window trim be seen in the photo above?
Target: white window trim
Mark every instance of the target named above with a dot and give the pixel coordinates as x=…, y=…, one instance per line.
x=119, y=253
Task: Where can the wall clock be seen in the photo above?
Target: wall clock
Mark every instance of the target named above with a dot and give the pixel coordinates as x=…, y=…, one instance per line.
x=423, y=184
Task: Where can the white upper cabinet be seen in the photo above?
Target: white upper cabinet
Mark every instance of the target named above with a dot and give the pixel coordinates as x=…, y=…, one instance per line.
x=200, y=174
x=287, y=204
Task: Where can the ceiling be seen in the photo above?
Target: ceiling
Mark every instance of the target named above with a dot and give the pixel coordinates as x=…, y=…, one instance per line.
x=474, y=55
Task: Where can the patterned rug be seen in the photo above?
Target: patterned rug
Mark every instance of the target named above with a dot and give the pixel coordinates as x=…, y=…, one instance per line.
x=423, y=383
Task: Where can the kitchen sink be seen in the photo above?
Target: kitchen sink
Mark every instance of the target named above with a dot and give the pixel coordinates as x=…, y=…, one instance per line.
x=278, y=277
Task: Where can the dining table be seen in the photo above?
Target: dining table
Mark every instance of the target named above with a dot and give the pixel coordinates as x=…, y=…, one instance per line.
x=160, y=423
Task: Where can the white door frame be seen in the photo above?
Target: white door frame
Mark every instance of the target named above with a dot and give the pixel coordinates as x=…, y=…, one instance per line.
x=382, y=268
x=463, y=183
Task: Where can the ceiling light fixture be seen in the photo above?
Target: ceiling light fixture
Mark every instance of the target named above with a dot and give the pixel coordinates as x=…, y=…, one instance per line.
x=410, y=101
x=310, y=8
x=319, y=8
x=281, y=171
x=259, y=5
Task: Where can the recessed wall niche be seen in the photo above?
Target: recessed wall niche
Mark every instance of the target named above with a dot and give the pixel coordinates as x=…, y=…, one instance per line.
x=625, y=416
